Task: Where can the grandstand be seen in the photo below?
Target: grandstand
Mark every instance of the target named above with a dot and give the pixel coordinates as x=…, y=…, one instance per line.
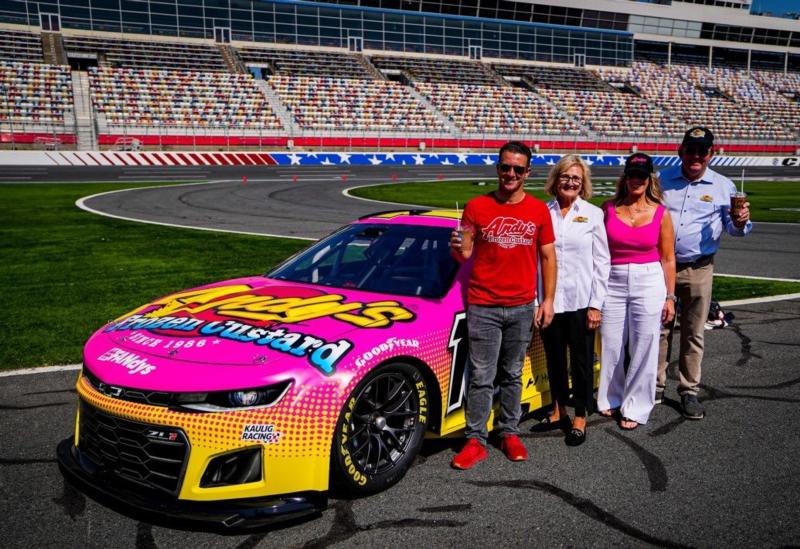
x=451, y=75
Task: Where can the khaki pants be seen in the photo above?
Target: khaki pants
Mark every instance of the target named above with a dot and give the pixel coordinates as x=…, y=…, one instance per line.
x=693, y=288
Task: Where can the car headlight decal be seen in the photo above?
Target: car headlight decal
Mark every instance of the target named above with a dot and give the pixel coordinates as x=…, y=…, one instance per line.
x=242, y=399
x=198, y=401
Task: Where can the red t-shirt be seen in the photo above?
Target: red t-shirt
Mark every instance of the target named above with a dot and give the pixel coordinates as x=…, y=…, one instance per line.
x=507, y=237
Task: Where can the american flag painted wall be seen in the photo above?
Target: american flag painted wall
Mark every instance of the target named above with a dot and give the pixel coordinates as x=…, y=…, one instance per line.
x=189, y=158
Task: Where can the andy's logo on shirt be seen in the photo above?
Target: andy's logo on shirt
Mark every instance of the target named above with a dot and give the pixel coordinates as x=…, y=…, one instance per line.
x=509, y=232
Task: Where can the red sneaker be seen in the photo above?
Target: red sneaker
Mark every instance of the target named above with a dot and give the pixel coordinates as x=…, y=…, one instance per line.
x=472, y=452
x=513, y=448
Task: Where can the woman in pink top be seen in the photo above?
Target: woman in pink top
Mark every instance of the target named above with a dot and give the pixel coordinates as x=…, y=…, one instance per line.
x=640, y=295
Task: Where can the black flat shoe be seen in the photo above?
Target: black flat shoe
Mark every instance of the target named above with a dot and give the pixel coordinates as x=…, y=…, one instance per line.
x=547, y=424
x=575, y=437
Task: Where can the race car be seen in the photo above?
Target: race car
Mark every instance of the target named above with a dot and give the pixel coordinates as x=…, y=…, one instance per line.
x=242, y=402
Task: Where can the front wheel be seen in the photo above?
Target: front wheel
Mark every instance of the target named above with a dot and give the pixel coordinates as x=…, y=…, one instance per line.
x=380, y=429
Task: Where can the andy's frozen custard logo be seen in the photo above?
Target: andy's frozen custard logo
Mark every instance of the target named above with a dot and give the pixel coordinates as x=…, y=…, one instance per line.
x=509, y=232
x=276, y=305
x=260, y=317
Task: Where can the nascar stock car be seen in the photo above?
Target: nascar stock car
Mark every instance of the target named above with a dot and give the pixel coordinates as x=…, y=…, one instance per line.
x=240, y=402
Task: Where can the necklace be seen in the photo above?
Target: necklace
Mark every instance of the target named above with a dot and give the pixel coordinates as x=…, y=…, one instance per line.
x=631, y=212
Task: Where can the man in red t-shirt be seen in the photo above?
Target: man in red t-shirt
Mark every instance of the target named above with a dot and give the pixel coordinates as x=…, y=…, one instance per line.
x=510, y=231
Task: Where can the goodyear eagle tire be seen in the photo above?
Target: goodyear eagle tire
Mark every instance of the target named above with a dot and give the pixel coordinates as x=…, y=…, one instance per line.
x=379, y=430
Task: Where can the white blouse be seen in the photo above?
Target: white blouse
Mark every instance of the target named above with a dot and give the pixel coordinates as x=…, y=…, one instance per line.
x=582, y=256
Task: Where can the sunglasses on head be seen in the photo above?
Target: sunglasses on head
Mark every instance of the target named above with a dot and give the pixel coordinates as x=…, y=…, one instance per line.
x=519, y=170
x=699, y=151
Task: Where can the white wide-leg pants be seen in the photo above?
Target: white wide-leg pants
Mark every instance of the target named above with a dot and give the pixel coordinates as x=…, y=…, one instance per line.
x=632, y=317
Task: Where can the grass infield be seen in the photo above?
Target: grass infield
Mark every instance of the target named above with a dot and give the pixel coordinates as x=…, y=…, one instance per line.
x=65, y=272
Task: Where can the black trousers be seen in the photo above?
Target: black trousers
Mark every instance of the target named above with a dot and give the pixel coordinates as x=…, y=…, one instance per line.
x=568, y=331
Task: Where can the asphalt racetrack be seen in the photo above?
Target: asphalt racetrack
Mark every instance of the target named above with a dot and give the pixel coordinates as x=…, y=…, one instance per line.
x=731, y=479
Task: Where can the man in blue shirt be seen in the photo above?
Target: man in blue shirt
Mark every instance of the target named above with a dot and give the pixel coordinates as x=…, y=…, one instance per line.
x=699, y=201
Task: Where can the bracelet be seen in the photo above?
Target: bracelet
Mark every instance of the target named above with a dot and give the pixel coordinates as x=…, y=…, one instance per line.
x=672, y=297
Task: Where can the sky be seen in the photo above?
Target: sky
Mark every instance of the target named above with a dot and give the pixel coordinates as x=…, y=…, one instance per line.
x=777, y=7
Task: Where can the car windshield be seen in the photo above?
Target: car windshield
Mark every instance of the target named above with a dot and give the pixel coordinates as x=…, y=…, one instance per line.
x=393, y=259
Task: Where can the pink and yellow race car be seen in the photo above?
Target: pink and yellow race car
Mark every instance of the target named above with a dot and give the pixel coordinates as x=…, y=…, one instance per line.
x=241, y=402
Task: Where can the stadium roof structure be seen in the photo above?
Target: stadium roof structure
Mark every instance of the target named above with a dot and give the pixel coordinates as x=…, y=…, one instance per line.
x=606, y=33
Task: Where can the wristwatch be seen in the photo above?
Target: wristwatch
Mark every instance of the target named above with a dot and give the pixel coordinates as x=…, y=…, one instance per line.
x=673, y=297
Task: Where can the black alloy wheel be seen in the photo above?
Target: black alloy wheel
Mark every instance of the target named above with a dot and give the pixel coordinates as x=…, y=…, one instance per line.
x=380, y=429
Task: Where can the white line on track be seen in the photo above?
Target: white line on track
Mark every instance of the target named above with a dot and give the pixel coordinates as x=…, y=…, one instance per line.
x=772, y=223
x=754, y=300
x=148, y=178
x=759, y=277
x=402, y=205
x=41, y=370
x=81, y=203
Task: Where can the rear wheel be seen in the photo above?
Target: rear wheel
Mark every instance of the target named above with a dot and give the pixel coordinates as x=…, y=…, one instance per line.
x=380, y=429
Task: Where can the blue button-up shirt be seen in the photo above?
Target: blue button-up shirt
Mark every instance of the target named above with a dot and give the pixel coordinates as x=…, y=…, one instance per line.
x=700, y=210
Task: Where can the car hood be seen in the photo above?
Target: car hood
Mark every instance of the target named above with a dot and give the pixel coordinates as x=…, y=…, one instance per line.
x=244, y=333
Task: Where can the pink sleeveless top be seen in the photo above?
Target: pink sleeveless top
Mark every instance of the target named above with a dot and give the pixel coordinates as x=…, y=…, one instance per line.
x=632, y=244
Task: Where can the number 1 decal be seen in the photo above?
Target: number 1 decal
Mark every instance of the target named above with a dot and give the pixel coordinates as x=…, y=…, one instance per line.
x=458, y=363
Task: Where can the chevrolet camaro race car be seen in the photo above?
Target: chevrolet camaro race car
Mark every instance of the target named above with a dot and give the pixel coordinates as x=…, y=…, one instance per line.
x=240, y=402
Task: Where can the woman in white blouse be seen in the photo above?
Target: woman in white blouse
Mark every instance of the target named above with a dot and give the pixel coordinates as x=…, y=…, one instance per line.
x=583, y=267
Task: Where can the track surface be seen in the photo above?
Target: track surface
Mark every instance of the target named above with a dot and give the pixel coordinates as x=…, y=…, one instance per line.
x=308, y=202
x=731, y=479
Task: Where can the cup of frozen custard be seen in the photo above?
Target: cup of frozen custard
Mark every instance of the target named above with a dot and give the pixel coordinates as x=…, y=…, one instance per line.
x=737, y=203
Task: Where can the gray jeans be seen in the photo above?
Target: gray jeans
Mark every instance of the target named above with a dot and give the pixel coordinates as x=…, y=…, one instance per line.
x=498, y=339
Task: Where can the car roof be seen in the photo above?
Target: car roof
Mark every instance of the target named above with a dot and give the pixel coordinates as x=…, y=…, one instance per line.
x=430, y=218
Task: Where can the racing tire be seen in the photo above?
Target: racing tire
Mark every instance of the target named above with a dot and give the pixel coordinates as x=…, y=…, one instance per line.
x=380, y=430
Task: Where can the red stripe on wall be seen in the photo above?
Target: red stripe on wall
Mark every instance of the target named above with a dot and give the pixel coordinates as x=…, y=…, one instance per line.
x=66, y=159
x=162, y=161
x=78, y=156
x=199, y=159
x=267, y=158
x=133, y=158
x=109, y=160
x=185, y=159
x=121, y=159
x=255, y=158
x=96, y=161
x=242, y=158
x=220, y=157
x=172, y=160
